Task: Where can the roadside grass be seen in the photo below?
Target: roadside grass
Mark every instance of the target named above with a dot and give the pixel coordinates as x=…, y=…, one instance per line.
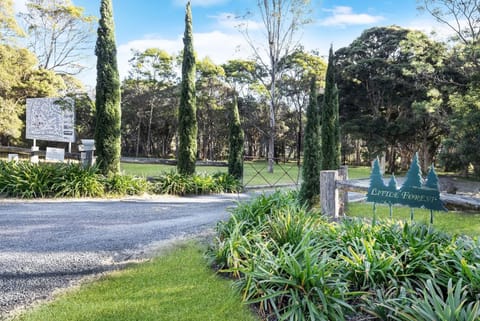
x=453, y=222
x=255, y=172
x=176, y=286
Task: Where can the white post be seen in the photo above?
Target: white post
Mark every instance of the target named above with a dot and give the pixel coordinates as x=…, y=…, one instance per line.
x=329, y=193
x=34, y=158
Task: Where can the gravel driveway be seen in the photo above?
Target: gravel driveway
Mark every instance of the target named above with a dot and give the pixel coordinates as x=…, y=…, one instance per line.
x=50, y=245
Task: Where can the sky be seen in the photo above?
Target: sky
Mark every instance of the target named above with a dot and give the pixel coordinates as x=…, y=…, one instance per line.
x=142, y=24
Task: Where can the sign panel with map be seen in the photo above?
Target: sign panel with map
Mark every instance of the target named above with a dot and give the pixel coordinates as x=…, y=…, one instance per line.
x=51, y=119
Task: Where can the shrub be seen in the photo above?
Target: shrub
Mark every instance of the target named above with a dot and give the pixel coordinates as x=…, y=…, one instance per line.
x=27, y=180
x=177, y=184
x=296, y=265
x=74, y=180
x=121, y=184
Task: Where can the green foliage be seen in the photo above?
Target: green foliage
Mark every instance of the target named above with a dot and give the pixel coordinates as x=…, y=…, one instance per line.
x=21, y=79
x=236, y=138
x=121, y=184
x=310, y=189
x=74, y=180
x=296, y=265
x=187, y=118
x=27, y=180
x=390, y=96
x=330, y=120
x=107, y=112
x=174, y=183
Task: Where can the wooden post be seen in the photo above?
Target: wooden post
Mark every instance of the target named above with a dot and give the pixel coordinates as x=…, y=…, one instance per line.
x=343, y=194
x=329, y=193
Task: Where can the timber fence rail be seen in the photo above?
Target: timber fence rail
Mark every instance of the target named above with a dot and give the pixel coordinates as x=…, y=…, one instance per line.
x=27, y=153
x=334, y=190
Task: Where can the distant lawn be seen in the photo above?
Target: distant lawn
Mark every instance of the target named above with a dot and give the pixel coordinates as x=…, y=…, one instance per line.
x=255, y=173
x=451, y=222
x=152, y=170
x=176, y=286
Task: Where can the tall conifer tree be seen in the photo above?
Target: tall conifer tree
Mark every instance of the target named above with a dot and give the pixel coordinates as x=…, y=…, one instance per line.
x=310, y=188
x=108, y=112
x=235, y=156
x=187, y=115
x=330, y=131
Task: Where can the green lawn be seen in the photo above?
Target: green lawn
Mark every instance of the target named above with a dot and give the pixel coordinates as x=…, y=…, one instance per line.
x=176, y=286
x=451, y=222
x=255, y=173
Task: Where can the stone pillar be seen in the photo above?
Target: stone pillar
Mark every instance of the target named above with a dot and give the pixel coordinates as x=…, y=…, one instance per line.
x=329, y=203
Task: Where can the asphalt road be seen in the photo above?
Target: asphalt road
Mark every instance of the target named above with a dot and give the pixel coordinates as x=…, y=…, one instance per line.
x=50, y=245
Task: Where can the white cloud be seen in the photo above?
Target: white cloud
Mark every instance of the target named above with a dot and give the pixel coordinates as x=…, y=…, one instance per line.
x=20, y=5
x=431, y=27
x=201, y=3
x=343, y=16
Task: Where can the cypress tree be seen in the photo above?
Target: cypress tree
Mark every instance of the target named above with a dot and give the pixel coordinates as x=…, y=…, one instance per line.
x=187, y=114
x=330, y=131
x=108, y=112
x=236, y=137
x=310, y=188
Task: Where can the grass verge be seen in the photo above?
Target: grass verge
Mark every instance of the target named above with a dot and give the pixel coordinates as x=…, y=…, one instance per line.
x=175, y=286
x=459, y=223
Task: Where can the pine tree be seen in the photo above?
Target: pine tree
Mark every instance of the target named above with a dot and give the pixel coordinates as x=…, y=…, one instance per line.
x=414, y=174
x=392, y=184
x=376, y=183
x=108, y=112
x=432, y=179
x=330, y=120
x=235, y=156
x=310, y=188
x=187, y=114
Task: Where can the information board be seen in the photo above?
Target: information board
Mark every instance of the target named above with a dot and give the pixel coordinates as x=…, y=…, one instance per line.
x=51, y=119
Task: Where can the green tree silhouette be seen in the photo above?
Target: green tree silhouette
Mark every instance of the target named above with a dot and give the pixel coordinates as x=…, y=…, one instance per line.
x=414, y=174
x=187, y=114
x=107, y=103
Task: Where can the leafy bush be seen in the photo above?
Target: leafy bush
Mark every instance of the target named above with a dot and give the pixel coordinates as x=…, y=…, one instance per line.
x=120, y=184
x=296, y=265
x=28, y=180
x=74, y=180
x=177, y=184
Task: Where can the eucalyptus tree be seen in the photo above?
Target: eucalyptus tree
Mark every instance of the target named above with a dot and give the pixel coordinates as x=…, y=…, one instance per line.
x=107, y=100
x=298, y=68
x=212, y=110
x=59, y=33
x=149, y=103
x=462, y=17
x=9, y=27
x=282, y=21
